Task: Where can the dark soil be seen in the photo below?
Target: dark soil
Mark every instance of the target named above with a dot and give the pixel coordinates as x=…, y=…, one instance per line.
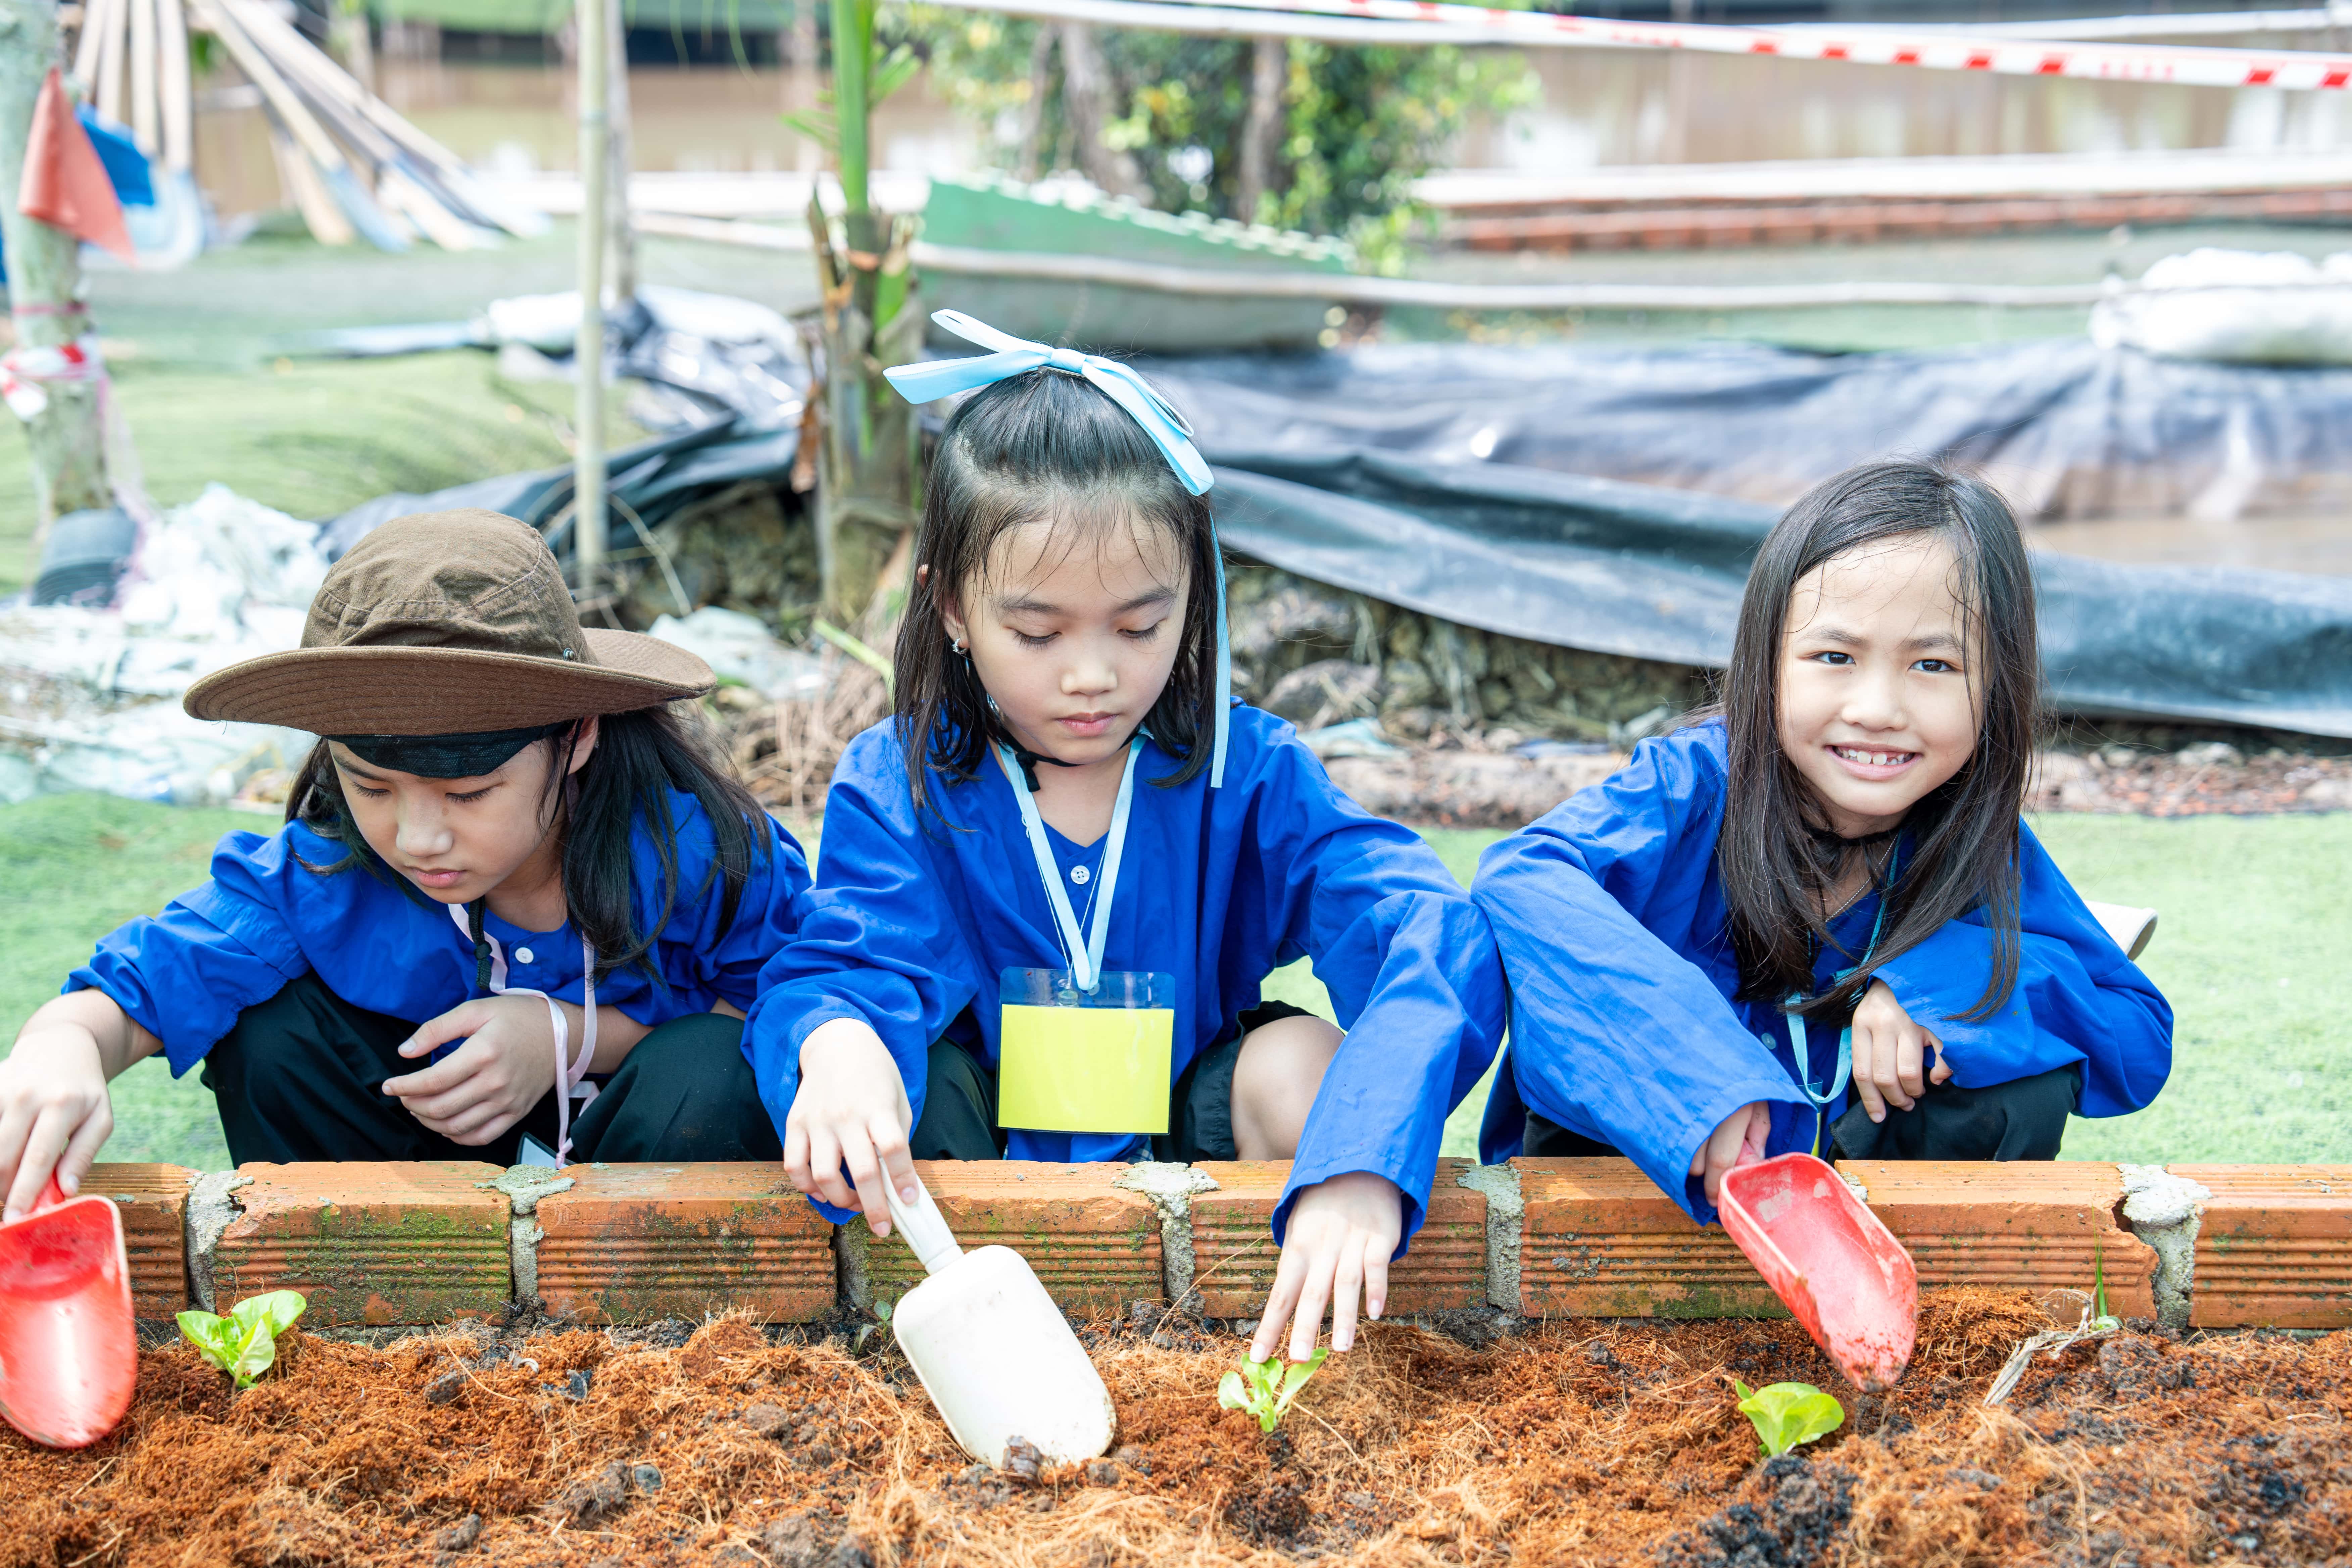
x=1576, y=1442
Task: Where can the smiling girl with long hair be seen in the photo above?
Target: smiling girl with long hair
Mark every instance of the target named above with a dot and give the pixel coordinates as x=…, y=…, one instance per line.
x=1812, y=918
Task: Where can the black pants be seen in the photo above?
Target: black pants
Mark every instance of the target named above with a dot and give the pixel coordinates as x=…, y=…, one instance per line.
x=2024, y=1118
x=958, y=1120
x=301, y=1078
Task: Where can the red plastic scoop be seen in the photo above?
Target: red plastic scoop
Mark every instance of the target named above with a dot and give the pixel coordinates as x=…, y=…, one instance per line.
x=68, y=1348
x=1838, y=1267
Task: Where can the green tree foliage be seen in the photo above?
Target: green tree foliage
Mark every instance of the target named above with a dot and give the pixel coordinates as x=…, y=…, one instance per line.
x=1359, y=124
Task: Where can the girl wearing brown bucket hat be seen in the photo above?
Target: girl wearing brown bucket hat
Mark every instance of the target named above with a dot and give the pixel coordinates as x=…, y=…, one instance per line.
x=509, y=877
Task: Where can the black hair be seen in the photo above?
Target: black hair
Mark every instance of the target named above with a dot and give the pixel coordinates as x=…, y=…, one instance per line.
x=639, y=758
x=1957, y=847
x=1044, y=447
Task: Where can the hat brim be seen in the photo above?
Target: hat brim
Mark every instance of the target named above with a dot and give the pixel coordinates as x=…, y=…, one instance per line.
x=446, y=691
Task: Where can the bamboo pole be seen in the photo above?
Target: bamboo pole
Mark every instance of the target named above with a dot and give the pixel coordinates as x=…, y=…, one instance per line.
x=620, y=239
x=176, y=92
x=592, y=17
x=146, y=130
x=93, y=29
x=107, y=89
x=67, y=437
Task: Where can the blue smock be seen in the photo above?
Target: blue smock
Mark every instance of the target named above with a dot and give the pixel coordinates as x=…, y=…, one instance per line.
x=1610, y=915
x=266, y=919
x=910, y=924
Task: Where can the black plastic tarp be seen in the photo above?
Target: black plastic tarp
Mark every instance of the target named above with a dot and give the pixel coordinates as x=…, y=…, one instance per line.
x=652, y=479
x=2064, y=427
x=1353, y=470
x=1656, y=574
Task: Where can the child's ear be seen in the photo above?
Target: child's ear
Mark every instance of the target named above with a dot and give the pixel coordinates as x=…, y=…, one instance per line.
x=950, y=612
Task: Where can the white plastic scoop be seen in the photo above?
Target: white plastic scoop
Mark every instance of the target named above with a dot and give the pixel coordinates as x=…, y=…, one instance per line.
x=992, y=1350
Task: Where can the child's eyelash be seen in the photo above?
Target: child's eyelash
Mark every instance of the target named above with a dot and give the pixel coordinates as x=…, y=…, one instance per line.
x=1026, y=640
x=469, y=799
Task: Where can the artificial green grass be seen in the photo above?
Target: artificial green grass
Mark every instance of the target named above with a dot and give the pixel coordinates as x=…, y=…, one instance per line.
x=2250, y=950
x=207, y=363
x=72, y=867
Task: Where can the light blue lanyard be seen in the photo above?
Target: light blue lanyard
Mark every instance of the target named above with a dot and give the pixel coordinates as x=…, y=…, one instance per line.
x=1085, y=951
x=1845, y=1039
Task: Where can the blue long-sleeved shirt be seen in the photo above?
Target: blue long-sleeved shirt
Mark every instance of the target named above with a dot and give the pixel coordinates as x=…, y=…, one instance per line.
x=265, y=917
x=1610, y=916
x=909, y=925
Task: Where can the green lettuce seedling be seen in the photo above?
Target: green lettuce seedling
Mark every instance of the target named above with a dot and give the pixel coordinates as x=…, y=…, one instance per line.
x=1788, y=1414
x=245, y=1343
x=1265, y=1388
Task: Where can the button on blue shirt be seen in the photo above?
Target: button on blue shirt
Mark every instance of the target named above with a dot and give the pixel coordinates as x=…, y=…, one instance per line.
x=265, y=917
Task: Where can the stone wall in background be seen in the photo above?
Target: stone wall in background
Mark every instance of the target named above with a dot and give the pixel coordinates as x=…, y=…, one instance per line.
x=1318, y=654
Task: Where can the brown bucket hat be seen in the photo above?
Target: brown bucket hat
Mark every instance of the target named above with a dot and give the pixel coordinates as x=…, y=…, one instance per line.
x=447, y=623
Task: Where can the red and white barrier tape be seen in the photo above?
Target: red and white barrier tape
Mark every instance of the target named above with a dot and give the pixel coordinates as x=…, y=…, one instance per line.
x=23, y=371
x=27, y=373
x=1927, y=48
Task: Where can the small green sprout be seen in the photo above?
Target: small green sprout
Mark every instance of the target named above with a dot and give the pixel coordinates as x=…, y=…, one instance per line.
x=243, y=1344
x=1788, y=1414
x=1265, y=1388
x=2101, y=1319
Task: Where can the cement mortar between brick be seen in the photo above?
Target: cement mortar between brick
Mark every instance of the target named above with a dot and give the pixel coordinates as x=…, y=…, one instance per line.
x=1171, y=1188
x=1505, y=1214
x=524, y=1185
x=850, y=1243
x=211, y=1211
x=2165, y=1211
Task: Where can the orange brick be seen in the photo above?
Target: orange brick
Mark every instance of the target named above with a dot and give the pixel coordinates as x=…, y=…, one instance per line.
x=2274, y=1246
x=2036, y=1225
x=154, y=1203
x=1094, y=1247
x=394, y=1242
x=639, y=1242
x=1233, y=1255
x=1598, y=1239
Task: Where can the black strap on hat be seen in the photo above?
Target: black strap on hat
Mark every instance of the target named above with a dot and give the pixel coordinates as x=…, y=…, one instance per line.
x=468, y=756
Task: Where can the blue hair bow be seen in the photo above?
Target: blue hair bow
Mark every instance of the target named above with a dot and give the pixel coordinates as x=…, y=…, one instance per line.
x=1013, y=356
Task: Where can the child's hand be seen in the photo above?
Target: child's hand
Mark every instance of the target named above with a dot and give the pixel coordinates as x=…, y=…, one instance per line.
x=1889, y=1050
x=54, y=1114
x=1737, y=1139
x=489, y=1083
x=851, y=1108
x=1341, y=1235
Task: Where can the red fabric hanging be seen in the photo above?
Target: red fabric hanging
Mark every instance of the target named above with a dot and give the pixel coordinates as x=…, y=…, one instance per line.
x=64, y=184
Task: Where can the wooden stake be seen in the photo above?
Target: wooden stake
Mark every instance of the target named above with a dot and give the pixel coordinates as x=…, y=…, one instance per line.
x=299, y=178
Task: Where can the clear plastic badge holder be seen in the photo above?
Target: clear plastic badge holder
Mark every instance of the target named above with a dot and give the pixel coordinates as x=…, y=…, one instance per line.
x=1085, y=1061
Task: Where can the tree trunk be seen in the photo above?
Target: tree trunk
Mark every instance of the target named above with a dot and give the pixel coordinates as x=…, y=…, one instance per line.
x=868, y=438
x=1085, y=100
x=620, y=236
x=1262, y=132
x=67, y=437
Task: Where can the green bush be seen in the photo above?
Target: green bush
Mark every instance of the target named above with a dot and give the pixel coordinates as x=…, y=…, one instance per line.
x=1359, y=124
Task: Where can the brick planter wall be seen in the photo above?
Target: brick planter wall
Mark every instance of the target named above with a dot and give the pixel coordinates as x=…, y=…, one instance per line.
x=2203, y=1245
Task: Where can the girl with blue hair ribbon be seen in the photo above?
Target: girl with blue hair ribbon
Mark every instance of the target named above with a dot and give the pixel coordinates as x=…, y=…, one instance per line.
x=1052, y=883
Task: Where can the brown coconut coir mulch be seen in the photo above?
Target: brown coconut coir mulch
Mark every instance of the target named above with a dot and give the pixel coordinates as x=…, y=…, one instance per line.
x=1578, y=1442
